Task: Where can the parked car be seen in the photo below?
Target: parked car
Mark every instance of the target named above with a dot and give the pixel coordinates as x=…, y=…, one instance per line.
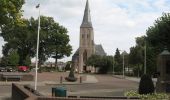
x=23, y=68
x=10, y=69
x=3, y=69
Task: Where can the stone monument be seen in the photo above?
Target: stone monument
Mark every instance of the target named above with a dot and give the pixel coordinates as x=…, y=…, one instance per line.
x=163, y=68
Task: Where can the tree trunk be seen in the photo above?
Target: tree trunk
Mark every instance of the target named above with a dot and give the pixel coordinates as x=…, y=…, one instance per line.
x=56, y=63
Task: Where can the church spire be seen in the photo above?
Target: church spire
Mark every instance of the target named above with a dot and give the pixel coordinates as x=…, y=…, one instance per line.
x=87, y=18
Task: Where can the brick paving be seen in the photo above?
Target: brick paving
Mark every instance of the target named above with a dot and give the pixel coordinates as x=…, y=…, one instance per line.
x=104, y=85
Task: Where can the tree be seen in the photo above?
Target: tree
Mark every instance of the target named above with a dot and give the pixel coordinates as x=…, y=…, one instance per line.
x=157, y=39
x=103, y=63
x=106, y=64
x=21, y=38
x=146, y=85
x=4, y=62
x=94, y=60
x=68, y=66
x=158, y=34
x=136, y=59
x=27, y=61
x=10, y=11
x=13, y=58
x=118, y=61
x=54, y=41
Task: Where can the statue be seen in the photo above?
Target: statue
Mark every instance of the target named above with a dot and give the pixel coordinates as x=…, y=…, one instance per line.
x=71, y=77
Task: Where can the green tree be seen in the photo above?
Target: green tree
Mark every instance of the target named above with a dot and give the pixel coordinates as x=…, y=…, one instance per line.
x=136, y=59
x=106, y=64
x=94, y=60
x=4, y=62
x=13, y=58
x=158, y=34
x=27, y=61
x=103, y=63
x=118, y=61
x=157, y=38
x=146, y=85
x=23, y=37
x=10, y=11
x=68, y=66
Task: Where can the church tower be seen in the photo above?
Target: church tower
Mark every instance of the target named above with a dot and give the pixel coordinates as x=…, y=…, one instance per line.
x=86, y=45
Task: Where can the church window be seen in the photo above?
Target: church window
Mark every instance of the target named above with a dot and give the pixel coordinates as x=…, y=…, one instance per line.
x=82, y=35
x=87, y=35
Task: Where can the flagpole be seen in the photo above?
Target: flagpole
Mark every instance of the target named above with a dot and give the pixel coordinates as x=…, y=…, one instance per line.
x=36, y=68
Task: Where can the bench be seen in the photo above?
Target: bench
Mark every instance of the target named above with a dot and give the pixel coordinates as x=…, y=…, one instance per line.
x=12, y=77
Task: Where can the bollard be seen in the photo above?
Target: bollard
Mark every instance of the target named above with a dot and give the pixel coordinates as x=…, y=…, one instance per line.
x=53, y=92
x=61, y=80
x=80, y=79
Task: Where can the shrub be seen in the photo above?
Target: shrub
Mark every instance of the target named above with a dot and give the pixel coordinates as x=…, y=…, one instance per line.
x=154, y=96
x=146, y=85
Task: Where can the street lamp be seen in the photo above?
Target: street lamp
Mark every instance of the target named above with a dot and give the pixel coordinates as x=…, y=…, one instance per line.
x=123, y=64
x=123, y=67
x=36, y=68
x=113, y=66
x=145, y=59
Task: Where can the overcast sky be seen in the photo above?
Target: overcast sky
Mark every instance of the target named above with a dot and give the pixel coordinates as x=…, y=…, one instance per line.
x=116, y=23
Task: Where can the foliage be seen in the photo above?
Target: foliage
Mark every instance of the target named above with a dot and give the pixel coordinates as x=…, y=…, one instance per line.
x=146, y=85
x=117, y=61
x=20, y=38
x=54, y=41
x=10, y=11
x=68, y=66
x=4, y=62
x=158, y=34
x=27, y=61
x=104, y=63
x=13, y=58
x=94, y=60
x=154, y=96
x=156, y=40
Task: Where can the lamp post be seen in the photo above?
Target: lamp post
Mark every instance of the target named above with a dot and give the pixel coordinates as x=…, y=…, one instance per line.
x=36, y=67
x=113, y=66
x=145, y=59
x=123, y=64
x=123, y=67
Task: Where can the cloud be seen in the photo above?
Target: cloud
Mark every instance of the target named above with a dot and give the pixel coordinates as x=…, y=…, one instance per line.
x=116, y=22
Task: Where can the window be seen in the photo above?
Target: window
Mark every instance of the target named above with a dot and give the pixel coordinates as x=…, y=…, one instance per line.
x=82, y=35
x=168, y=67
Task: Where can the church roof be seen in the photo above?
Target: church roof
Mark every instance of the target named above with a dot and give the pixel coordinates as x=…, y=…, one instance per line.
x=76, y=54
x=87, y=18
x=98, y=51
x=165, y=52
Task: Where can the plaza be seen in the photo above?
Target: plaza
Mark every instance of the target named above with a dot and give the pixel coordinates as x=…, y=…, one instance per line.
x=92, y=85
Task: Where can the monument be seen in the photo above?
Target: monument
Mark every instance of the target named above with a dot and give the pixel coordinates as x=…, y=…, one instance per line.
x=163, y=68
x=87, y=47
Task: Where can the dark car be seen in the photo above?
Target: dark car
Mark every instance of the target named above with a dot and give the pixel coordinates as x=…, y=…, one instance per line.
x=3, y=69
x=10, y=69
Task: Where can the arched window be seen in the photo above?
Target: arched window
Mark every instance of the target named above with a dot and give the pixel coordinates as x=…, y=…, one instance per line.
x=85, y=56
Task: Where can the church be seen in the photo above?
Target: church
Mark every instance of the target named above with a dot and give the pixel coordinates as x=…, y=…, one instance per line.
x=87, y=47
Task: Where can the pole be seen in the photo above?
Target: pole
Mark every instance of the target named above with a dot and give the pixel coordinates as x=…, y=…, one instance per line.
x=145, y=59
x=123, y=65
x=113, y=67
x=36, y=68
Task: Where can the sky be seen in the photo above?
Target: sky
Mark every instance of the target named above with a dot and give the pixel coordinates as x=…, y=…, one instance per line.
x=116, y=23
